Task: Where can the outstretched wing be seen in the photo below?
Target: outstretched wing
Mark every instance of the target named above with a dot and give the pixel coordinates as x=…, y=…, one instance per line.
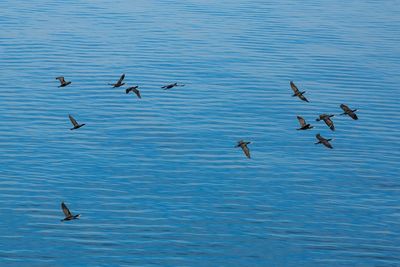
x=61, y=79
x=294, y=87
x=137, y=92
x=302, y=121
x=121, y=78
x=302, y=97
x=345, y=108
x=246, y=151
x=353, y=115
x=65, y=210
x=73, y=121
x=329, y=122
x=327, y=144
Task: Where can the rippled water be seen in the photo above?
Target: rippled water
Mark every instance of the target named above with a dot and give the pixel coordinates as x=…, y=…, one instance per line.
x=158, y=181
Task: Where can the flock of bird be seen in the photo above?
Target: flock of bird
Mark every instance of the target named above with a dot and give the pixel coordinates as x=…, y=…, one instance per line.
x=242, y=144
x=306, y=126
x=135, y=89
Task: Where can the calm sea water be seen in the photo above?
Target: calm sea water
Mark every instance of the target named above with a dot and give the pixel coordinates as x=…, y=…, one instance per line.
x=158, y=181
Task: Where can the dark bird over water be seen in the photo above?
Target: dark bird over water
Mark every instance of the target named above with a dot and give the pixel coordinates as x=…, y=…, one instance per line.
x=303, y=124
x=62, y=81
x=349, y=111
x=135, y=90
x=73, y=121
x=68, y=215
x=323, y=141
x=244, y=147
x=119, y=83
x=296, y=92
x=327, y=119
x=169, y=86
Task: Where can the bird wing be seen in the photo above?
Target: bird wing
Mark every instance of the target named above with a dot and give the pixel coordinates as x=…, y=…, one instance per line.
x=239, y=143
x=65, y=210
x=353, y=115
x=327, y=144
x=302, y=121
x=246, y=151
x=121, y=78
x=61, y=79
x=345, y=108
x=302, y=97
x=73, y=121
x=294, y=87
x=137, y=92
x=329, y=122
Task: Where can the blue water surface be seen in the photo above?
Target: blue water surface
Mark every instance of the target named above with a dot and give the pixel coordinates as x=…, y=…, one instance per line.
x=157, y=180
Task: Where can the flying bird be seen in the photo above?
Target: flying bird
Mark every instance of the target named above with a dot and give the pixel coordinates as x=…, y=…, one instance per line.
x=244, y=147
x=68, y=215
x=349, y=111
x=63, y=83
x=327, y=119
x=303, y=124
x=296, y=92
x=323, y=141
x=119, y=83
x=76, y=124
x=169, y=86
x=135, y=90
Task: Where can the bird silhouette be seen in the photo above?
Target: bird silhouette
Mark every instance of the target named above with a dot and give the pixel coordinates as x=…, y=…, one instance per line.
x=323, y=141
x=296, y=92
x=63, y=83
x=303, y=124
x=68, y=215
x=327, y=119
x=135, y=90
x=244, y=147
x=75, y=123
x=119, y=83
x=348, y=111
x=169, y=86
